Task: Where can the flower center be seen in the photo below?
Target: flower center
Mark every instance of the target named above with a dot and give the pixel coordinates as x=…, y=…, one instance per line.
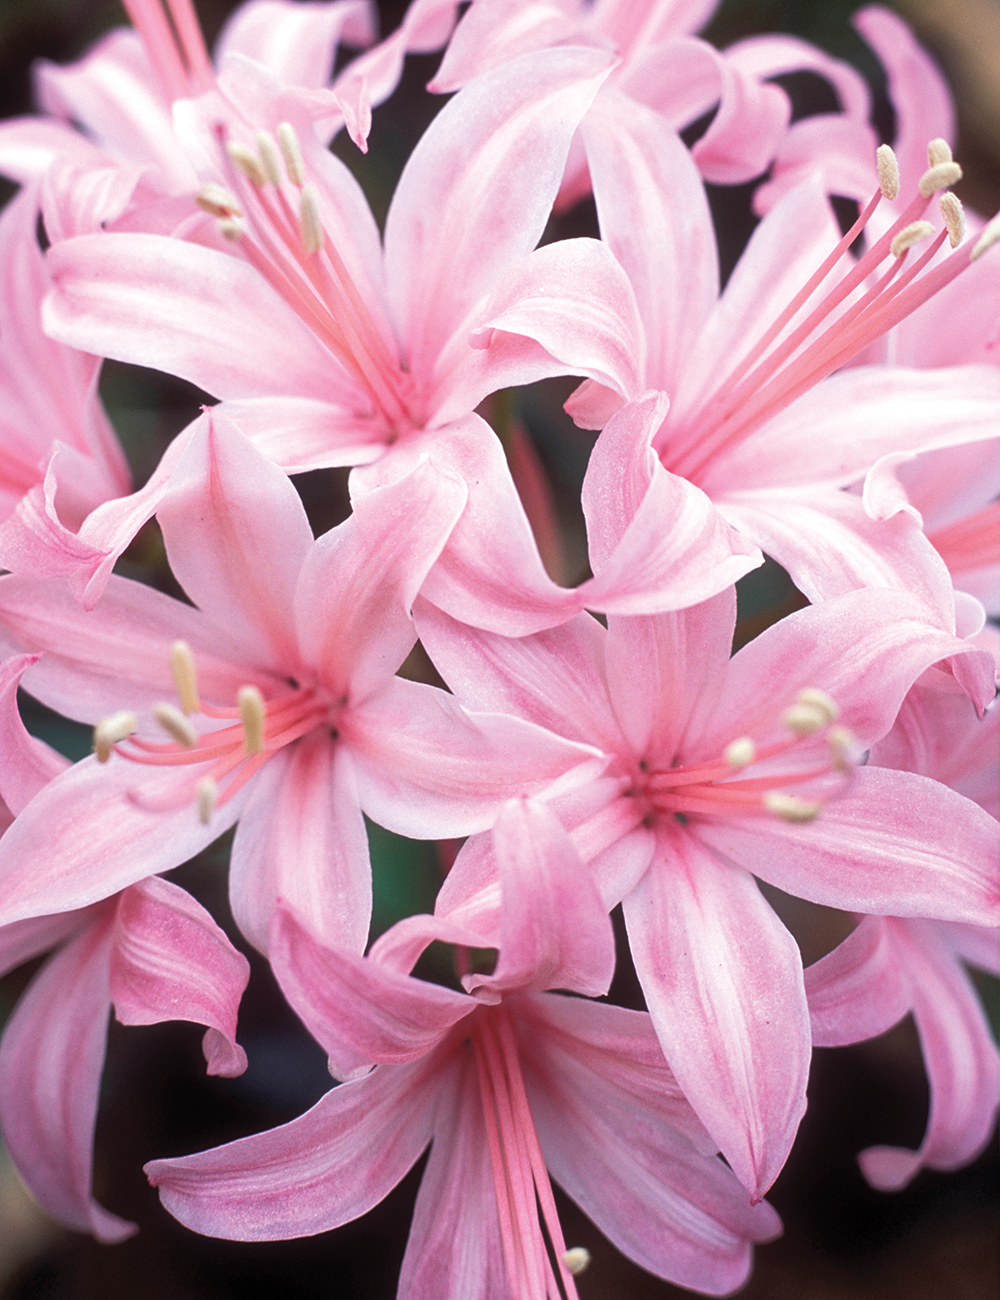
x=227, y=756
x=819, y=750
x=852, y=314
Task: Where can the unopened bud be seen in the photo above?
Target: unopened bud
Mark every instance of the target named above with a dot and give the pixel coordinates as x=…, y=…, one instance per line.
x=310, y=227
x=248, y=163
x=110, y=730
x=252, y=715
x=292, y=153
x=185, y=677
x=790, y=808
x=217, y=201
x=175, y=724
x=910, y=235
x=940, y=177
x=938, y=152
x=990, y=235
x=740, y=753
x=953, y=216
x=269, y=156
x=208, y=794
x=576, y=1259
x=888, y=171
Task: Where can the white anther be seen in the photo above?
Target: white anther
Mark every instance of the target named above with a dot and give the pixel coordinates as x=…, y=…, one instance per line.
x=843, y=748
x=252, y=715
x=954, y=217
x=938, y=152
x=185, y=676
x=740, y=753
x=990, y=235
x=208, y=794
x=248, y=162
x=818, y=699
x=230, y=230
x=110, y=730
x=940, y=177
x=910, y=235
x=803, y=719
x=175, y=724
x=269, y=156
x=576, y=1259
x=790, y=808
x=888, y=171
x=292, y=153
x=310, y=227
x=217, y=201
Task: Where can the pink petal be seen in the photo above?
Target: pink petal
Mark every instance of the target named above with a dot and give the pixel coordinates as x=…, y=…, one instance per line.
x=26, y=764
x=296, y=43
x=857, y=991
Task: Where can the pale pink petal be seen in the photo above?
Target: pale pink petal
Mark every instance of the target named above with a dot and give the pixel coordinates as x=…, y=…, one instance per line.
x=23, y=940
x=29, y=145
x=747, y=129
x=722, y=978
x=492, y=32
x=51, y=1058
x=26, y=763
x=895, y=844
x=170, y=961
x=303, y=433
x=301, y=837
x=297, y=43
x=857, y=991
x=771, y=56
x=329, y=1166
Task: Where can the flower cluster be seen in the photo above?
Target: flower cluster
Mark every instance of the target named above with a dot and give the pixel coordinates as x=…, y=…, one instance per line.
x=836, y=406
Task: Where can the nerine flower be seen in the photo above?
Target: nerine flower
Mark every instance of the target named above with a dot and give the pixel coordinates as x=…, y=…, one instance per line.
x=506, y=1082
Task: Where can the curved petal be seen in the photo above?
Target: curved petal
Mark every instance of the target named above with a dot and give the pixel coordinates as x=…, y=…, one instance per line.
x=26, y=763
x=296, y=43
x=857, y=991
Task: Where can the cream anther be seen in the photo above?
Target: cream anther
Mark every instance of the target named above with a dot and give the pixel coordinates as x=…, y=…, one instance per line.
x=248, y=162
x=252, y=715
x=310, y=226
x=910, y=235
x=940, y=177
x=269, y=156
x=175, y=724
x=990, y=235
x=292, y=153
x=740, y=753
x=843, y=748
x=790, y=808
x=954, y=218
x=110, y=730
x=230, y=230
x=888, y=172
x=576, y=1259
x=803, y=719
x=217, y=201
x=185, y=677
x=208, y=793
x=938, y=152
x=818, y=699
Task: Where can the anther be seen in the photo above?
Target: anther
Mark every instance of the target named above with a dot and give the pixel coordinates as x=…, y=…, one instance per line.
x=310, y=228
x=269, y=156
x=740, y=753
x=790, y=808
x=812, y=710
x=230, y=230
x=185, y=677
x=888, y=172
x=843, y=748
x=910, y=235
x=208, y=793
x=940, y=177
x=990, y=235
x=110, y=730
x=953, y=216
x=576, y=1259
x=248, y=162
x=251, y=704
x=217, y=201
x=818, y=699
x=938, y=152
x=175, y=724
x=292, y=153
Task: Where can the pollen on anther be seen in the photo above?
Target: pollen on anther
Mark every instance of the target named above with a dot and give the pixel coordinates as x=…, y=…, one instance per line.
x=269, y=156
x=791, y=808
x=954, y=217
x=938, y=152
x=248, y=162
x=576, y=1260
x=292, y=153
x=888, y=171
x=310, y=227
x=940, y=177
x=990, y=235
x=740, y=753
x=910, y=235
x=843, y=748
x=208, y=793
x=175, y=724
x=819, y=699
x=185, y=677
x=112, y=729
x=252, y=715
x=217, y=201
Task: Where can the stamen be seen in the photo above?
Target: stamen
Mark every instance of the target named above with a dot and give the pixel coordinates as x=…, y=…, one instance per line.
x=252, y=715
x=843, y=748
x=910, y=235
x=939, y=177
x=790, y=808
x=310, y=226
x=888, y=172
x=217, y=201
x=812, y=710
x=990, y=235
x=740, y=753
x=820, y=700
x=576, y=1259
x=208, y=793
x=292, y=153
x=938, y=152
x=175, y=724
x=185, y=676
x=112, y=729
x=230, y=230
x=248, y=163
x=953, y=216
x=269, y=157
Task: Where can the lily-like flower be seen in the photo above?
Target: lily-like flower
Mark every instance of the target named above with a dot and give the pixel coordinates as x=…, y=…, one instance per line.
x=506, y=1082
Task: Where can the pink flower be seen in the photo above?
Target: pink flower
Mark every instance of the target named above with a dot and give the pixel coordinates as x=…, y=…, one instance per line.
x=502, y=1083
x=718, y=772
x=152, y=953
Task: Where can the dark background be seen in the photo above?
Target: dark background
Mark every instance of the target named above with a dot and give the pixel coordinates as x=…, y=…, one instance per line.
x=842, y=1240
